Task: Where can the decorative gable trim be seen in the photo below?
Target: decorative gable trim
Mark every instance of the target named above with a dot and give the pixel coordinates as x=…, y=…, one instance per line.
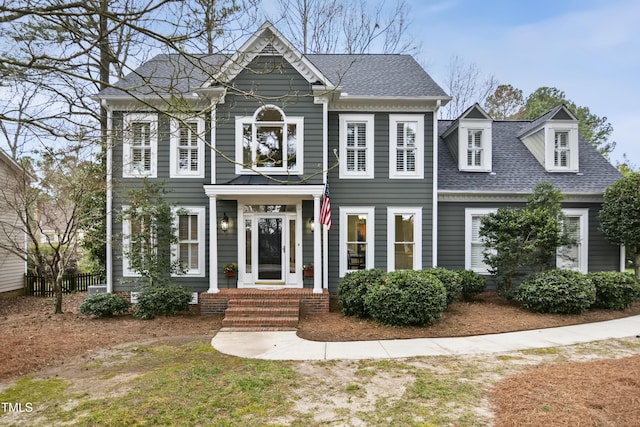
x=268, y=41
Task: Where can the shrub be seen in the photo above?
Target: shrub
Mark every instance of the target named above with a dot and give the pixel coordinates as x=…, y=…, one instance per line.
x=451, y=281
x=472, y=283
x=557, y=291
x=104, y=305
x=167, y=299
x=352, y=289
x=614, y=290
x=405, y=298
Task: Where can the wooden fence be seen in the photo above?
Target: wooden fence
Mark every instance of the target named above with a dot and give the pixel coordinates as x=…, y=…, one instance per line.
x=35, y=285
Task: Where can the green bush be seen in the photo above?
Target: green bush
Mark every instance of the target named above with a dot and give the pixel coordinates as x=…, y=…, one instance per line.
x=406, y=297
x=557, y=291
x=167, y=299
x=451, y=281
x=352, y=289
x=614, y=290
x=104, y=305
x=472, y=283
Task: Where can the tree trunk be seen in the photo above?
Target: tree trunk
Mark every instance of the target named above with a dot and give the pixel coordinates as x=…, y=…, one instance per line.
x=636, y=263
x=57, y=291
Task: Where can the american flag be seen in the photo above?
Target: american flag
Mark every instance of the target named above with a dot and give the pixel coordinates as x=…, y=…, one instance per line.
x=325, y=209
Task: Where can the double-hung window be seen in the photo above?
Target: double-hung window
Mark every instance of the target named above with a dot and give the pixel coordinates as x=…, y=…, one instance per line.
x=138, y=243
x=474, y=148
x=404, y=234
x=356, y=145
x=474, y=246
x=406, y=146
x=190, y=248
x=575, y=256
x=561, y=150
x=140, y=144
x=356, y=238
x=187, y=147
x=269, y=142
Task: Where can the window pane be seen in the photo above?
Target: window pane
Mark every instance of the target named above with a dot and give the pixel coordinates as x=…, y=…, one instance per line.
x=269, y=115
x=404, y=256
x=183, y=227
x=247, y=130
x=351, y=163
x=292, y=146
x=292, y=246
x=356, y=242
x=362, y=135
x=351, y=131
x=362, y=161
x=411, y=160
x=400, y=160
x=194, y=227
x=247, y=244
x=404, y=228
x=412, y=130
x=269, y=146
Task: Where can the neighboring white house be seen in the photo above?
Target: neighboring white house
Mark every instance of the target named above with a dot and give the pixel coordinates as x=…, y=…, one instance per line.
x=12, y=266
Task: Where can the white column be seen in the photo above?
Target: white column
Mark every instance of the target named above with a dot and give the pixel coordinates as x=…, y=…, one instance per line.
x=317, y=247
x=213, y=246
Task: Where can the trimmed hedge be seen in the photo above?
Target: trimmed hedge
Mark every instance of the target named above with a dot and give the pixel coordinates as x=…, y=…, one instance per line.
x=472, y=283
x=451, y=281
x=352, y=289
x=556, y=291
x=104, y=305
x=614, y=290
x=406, y=298
x=168, y=299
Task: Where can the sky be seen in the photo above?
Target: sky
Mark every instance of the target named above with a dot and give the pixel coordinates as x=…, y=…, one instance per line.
x=590, y=49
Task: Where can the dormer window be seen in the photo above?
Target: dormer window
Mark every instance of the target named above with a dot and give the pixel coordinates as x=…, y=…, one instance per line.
x=474, y=148
x=269, y=141
x=561, y=150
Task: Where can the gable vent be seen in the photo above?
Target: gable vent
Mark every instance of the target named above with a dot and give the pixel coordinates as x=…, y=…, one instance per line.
x=269, y=50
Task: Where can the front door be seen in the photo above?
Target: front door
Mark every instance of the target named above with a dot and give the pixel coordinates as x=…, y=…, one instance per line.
x=271, y=249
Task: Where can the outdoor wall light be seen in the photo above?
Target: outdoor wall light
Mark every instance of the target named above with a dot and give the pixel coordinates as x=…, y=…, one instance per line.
x=224, y=223
x=312, y=224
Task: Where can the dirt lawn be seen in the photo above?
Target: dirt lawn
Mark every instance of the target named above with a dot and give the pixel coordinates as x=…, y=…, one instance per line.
x=34, y=339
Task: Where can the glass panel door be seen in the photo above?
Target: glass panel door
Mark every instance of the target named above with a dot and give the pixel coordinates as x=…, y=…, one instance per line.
x=270, y=249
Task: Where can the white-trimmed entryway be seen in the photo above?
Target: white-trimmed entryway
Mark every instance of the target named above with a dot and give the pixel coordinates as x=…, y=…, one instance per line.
x=270, y=243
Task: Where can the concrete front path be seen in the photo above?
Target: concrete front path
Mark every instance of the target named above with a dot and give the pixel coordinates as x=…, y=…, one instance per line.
x=288, y=346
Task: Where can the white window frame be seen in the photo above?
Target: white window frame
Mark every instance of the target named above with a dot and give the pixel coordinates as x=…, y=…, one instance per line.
x=551, y=129
x=583, y=237
x=394, y=120
x=469, y=214
x=369, y=212
x=345, y=120
x=128, y=171
x=392, y=212
x=174, y=158
x=251, y=120
x=200, y=212
x=470, y=125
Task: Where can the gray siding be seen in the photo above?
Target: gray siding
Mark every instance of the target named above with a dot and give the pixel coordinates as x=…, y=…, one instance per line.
x=11, y=266
x=380, y=192
x=180, y=192
x=272, y=81
x=603, y=256
x=452, y=143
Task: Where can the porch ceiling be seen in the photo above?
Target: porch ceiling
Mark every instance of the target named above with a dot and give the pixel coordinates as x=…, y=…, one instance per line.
x=266, y=192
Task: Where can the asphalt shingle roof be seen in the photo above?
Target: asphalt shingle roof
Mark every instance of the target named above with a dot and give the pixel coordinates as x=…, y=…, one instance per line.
x=357, y=75
x=517, y=170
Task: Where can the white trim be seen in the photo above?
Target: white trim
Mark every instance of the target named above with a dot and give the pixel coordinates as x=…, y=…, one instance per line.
x=394, y=119
x=325, y=171
x=434, y=195
x=126, y=233
x=550, y=130
x=508, y=196
x=213, y=246
x=369, y=121
x=200, y=212
x=127, y=160
x=234, y=191
x=623, y=258
x=392, y=212
x=464, y=128
x=469, y=214
x=369, y=212
x=109, y=200
x=286, y=120
x=583, y=244
x=214, y=127
x=174, y=167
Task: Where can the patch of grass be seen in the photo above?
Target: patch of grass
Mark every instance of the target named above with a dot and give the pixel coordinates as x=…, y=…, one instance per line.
x=542, y=351
x=35, y=391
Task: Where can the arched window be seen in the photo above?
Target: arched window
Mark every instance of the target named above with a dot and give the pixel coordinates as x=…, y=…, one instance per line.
x=269, y=141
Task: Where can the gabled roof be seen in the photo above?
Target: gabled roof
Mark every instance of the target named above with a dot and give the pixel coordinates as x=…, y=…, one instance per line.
x=560, y=110
x=474, y=112
x=516, y=170
x=362, y=75
x=267, y=40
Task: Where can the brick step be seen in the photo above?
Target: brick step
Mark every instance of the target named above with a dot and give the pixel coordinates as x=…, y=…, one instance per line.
x=252, y=311
x=261, y=322
x=270, y=302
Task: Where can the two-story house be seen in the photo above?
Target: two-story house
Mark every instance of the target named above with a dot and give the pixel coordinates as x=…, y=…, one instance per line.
x=247, y=143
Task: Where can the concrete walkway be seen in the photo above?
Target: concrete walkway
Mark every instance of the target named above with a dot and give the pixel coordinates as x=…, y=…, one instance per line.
x=288, y=346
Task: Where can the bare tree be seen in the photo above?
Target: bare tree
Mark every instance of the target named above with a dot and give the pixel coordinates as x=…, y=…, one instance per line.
x=466, y=85
x=347, y=26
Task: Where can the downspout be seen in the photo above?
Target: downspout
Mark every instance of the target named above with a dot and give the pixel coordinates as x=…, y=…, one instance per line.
x=109, y=201
x=434, y=219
